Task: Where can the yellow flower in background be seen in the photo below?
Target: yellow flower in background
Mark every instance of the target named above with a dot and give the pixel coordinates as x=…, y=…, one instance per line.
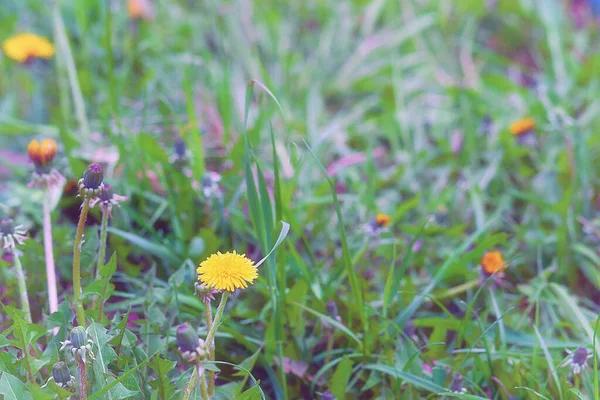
x=140, y=9
x=229, y=271
x=382, y=219
x=26, y=46
x=522, y=126
x=41, y=153
x=492, y=262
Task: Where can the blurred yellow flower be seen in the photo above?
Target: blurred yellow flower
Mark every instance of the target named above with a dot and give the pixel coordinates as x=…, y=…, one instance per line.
x=24, y=47
x=492, y=262
x=382, y=219
x=522, y=126
x=229, y=271
x=41, y=153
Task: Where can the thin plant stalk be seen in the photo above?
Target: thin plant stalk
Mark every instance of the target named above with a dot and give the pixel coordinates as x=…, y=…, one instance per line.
x=82, y=378
x=85, y=207
x=22, y=287
x=103, y=236
x=203, y=390
x=49, y=254
x=211, y=350
x=215, y=324
x=62, y=42
x=187, y=393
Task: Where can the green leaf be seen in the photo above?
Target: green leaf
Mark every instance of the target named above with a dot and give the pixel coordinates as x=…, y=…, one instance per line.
x=100, y=393
x=12, y=388
x=340, y=378
x=251, y=394
x=104, y=355
x=162, y=384
x=406, y=376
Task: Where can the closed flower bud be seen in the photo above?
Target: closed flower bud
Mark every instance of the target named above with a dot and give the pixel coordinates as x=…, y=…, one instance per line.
x=332, y=309
x=41, y=153
x=180, y=148
x=328, y=396
x=61, y=373
x=7, y=227
x=107, y=193
x=187, y=338
x=78, y=337
x=92, y=177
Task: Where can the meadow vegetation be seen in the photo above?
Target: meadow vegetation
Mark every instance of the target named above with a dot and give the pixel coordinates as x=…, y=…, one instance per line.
x=321, y=199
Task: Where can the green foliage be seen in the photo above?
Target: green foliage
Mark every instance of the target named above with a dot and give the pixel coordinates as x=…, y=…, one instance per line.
x=316, y=115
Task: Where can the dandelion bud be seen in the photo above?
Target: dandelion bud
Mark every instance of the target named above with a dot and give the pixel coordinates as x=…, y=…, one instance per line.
x=332, y=309
x=7, y=226
x=187, y=338
x=78, y=337
x=92, y=177
x=61, y=374
x=42, y=154
x=107, y=193
x=180, y=148
x=328, y=396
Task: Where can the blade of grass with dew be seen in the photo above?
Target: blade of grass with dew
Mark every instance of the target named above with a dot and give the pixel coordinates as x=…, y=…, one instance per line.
x=349, y=268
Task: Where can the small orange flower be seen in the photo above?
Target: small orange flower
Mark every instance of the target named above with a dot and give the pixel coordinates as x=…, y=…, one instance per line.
x=27, y=46
x=42, y=153
x=382, y=220
x=492, y=262
x=140, y=9
x=522, y=126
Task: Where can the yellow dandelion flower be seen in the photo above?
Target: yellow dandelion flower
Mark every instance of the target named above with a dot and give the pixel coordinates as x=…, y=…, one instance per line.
x=25, y=46
x=229, y=271
x=382, y=219
x=522, y=126
x=42, y=153
x=492, y=262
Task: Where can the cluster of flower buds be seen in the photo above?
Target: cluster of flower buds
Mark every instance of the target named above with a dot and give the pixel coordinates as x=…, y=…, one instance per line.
x=206, y=293
x=62, y=375
x=107, y=199
x=90, y=186
x=79, y=344
x=42, y=154
x=10, y=235
x=190, y=345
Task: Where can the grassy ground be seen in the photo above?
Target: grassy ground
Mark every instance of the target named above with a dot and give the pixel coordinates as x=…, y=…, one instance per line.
x=320, y=114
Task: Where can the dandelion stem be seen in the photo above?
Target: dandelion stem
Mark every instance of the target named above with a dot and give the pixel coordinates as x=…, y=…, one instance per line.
x=215, y=324
x=82, y=378
x=211, y=349
x=22, y=287
x=49, y=254
x=85, y=207
x=103, y=235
